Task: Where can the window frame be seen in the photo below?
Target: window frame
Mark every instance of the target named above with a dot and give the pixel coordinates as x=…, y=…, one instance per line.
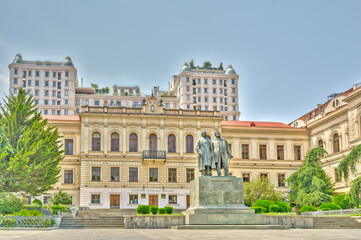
x=152, y=172
x=172, y=175
x=262, y=147
x=133, y=175
x=94, y=177
x=190, y=174
x=117, y=174
x=67, y=177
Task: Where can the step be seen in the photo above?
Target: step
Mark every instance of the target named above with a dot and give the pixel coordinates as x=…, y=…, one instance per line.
x=230, y=227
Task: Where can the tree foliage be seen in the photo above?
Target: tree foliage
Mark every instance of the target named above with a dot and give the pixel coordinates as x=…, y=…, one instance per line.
x=61, y=198
x=348, y=166
x=220, y=66
x=191, y=63
x=29, y=150
x=310, y=185
x=9, y=203
x=207, y=64
x=260, y=189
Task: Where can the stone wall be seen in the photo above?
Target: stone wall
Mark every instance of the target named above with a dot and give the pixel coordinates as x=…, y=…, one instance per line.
x=291, y=221
x=149, y=221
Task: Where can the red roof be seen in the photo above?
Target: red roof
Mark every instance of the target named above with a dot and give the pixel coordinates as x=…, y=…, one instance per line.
x=255, y=124
x=61, y=117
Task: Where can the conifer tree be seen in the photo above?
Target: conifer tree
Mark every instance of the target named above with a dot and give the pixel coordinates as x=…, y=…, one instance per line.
x=310, y=185
x=29, y=149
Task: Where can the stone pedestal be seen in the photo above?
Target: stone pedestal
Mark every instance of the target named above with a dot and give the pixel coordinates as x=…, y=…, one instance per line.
x=219, y=201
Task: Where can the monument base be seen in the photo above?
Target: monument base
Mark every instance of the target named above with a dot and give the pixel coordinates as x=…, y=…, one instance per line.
x=231, y=227
x=219, y=201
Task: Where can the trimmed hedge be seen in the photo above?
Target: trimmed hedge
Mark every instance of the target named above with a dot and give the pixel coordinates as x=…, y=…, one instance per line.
x=153, y=209
x=161, y=211
x=143, y=209
x=284, y=207
x=331, y=206
x=259, y=209
x=263, y=203
x=307, y=208
x=168, y=210
x=273, y=208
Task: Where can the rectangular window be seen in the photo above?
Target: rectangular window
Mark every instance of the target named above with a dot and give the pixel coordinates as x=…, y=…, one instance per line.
x=68, y=146
x=37, y=73
x=133, y=199
x=66, y=102
x=46, y=102
x=280, y=152
x=246, y=177
x=172, y=175
x=15, y=81
x=46, y=83
x=263, y=152
x=68, y=176
x=233, y=90
x=337, y=179
x=214, y=90
x=45, y=112
x=206, y=90
x=199, y=81
x=114, y=174
x=46, y=93
x=214, y=99
x=46, y=74
x=187, y=88
x=133, y=174
x=214, y=81
x=54, y=84
x=220, y=82
x=263, y=175
x=95, y=198
x=53, y=102
x=205, y=81
x=233, y=81
x=86, y=102
x=233, y=99
x=281, y=180
x=66, y=93
x=16, y=71
x=172, y=199
x=297, y=152
x=221, y=91
x=66, y=74
x=96, y=174
x=29, y=92
x=29, y=82
x=245, y=151
x=65, y=111
x=118, y=103
x=66, y=83
x=54, y=74
x=15, y=91
x=52, y=112
x=187, y=79
x=188, y=106
x=96, y=102
x=37, y=83
x=36, y=92
x=199, y=90
x=190, y=174
x=153, y=174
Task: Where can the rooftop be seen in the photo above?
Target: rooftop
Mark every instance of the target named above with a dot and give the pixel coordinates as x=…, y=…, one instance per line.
x=61, y=118
x=255, y=124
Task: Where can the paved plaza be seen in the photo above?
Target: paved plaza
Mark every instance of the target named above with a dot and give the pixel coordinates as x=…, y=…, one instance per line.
x=134, y=234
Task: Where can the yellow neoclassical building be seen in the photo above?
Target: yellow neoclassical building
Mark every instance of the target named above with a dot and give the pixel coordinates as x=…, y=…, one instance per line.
x=118, y=157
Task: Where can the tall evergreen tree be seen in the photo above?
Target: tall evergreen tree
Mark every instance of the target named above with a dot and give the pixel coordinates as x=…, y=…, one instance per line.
x=310, y=185
x=349, y=165
x=29, y=150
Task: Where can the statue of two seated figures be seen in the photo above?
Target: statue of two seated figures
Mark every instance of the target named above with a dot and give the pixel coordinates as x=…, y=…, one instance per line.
x=213, y=155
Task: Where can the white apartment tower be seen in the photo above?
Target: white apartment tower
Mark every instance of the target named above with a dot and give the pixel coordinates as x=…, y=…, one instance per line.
x=208, y=89
x=51, y=83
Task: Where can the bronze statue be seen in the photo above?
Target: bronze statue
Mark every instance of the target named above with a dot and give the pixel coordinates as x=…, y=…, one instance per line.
x=204, y=150
x=221, y=153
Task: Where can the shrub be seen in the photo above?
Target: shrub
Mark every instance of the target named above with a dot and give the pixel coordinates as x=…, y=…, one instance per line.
x=61, y=198
x=28, y=213
x=331, y=206
x=143, y=209
x=263, y=203
x=9, y=203
x=342, y=201
x=153, y=209
x=259, y=209
x=58, y=208
x=273, y=208
x=168, y=210
x=37, y=202
x=307, y=208
x=325, y=209
x=284, y=207
x=161, y=211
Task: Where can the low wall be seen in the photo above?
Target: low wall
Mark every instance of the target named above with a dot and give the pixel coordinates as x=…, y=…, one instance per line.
x=151, y=221
x=291, y=221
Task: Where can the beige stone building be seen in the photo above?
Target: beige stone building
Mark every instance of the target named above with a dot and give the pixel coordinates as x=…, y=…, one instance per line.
x=335, y=126
x=117, y=157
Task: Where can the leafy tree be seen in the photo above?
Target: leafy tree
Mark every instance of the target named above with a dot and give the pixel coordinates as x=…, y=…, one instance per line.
x=9, y=203
x=191, y=63
x=346, y=166
x=310, y=185
x=220, y=66
x=260, y=189
x=29, y=150
x=342, y=201
x=61, y=198
x=94, y=85
x=207, y=64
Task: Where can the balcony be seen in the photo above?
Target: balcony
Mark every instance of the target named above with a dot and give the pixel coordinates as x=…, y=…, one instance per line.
x=154, y=154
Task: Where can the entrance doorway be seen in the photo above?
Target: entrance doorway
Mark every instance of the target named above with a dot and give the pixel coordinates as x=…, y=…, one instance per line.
x=153, y=200
x=114, y=201
x=188, y=201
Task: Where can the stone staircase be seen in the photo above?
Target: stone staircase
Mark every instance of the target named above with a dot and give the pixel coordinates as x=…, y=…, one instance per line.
x=91, y=222
x=106, y=212
x=337, y=223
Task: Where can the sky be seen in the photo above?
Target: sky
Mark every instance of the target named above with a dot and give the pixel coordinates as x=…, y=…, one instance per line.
x=289, y=55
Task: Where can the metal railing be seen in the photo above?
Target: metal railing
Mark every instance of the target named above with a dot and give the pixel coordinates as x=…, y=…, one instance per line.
x=154, y=154
x=333, y=212
x=25, y=221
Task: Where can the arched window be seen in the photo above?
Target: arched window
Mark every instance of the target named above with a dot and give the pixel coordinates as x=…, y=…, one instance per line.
x=96, y=141
x=153, y=142
x=171, y=143
x=189, y=144
x=336, y=143
x=133, y=142
x=115, y=142
x=320, y=143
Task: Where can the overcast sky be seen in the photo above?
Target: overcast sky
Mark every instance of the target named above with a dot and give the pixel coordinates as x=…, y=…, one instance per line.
x=289, y=55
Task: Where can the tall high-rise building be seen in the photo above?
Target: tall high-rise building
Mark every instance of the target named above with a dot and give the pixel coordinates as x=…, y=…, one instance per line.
x=207, y=89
